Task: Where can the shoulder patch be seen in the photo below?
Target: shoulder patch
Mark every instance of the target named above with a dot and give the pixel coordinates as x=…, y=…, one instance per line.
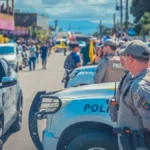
x=136, y=96
x=146, y=105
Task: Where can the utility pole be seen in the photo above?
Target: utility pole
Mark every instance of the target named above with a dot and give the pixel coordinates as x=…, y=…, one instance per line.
x=56, y=24
x=127, y=15
x=114, y=20
x=121, y=17
x=100, y=29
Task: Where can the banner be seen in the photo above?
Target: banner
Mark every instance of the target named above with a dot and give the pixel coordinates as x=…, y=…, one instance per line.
x=6, y=22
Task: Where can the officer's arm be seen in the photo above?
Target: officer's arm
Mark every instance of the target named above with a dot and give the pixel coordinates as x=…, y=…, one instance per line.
x=141, y=101
x=101, y=70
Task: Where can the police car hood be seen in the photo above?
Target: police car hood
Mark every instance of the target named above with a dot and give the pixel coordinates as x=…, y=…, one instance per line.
x=95, y=90
x=87, y=68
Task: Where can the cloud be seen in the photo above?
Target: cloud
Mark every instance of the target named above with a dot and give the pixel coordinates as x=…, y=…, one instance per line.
x=94, y=10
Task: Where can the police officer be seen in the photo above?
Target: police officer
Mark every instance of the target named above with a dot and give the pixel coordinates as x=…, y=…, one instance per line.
x=109, y=68
x=134, y=107
x=113, y=109
x=126, y=78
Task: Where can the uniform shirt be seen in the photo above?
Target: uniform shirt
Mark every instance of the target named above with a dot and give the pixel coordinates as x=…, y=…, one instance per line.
x=109, y=69
x=124, y=80
x=134, y=108
x=44, y=51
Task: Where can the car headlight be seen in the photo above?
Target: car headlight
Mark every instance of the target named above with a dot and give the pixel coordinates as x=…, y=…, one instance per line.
x=73, y=74
x=52, y=104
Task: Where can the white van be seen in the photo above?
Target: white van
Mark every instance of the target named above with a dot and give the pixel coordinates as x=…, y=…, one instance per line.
x=11, y=53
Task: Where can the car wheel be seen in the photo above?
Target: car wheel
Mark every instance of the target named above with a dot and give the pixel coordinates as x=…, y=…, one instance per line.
x=94, y=141
x=18, y=122
x=20, y=68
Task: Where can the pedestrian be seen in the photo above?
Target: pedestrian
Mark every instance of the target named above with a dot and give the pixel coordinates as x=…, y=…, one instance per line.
x=44, y=54
x=19, y=46
x=37, y=52
x=109, y=68
x=85, y=53
x=73, y=59
x=49, y=44
x=124, y=80
x=134, y=106
x=98, y=56
x=32, y=56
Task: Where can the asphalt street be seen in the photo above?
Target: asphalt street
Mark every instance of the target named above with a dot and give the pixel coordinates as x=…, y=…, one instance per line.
x=31, y=83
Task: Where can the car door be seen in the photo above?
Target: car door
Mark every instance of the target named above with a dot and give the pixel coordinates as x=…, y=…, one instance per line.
x=9, y=96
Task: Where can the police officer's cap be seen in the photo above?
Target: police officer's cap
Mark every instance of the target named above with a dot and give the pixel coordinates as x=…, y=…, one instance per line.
x=110, y=42
x=136, y=48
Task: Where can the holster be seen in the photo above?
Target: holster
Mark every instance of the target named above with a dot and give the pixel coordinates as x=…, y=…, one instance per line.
x=133, y=139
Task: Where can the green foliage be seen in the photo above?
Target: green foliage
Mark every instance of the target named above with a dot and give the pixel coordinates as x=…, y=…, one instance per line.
x=139, y=7
x=145, y=23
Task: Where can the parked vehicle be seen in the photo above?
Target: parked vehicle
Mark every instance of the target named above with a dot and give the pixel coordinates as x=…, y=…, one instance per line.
x=77, y=118
x=11, y=99
x=11, y=53
x=82, y=76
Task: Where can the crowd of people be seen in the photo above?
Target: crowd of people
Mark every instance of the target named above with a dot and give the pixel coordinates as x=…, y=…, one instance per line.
x=32, y=51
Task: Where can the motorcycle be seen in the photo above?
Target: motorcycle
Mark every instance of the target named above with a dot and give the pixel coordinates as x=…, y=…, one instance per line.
x=66, y=77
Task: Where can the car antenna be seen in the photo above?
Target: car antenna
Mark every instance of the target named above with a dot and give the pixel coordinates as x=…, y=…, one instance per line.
x=115, y=90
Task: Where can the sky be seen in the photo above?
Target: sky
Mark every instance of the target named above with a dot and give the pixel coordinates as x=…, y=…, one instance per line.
x=93, y=10
x=70, y=12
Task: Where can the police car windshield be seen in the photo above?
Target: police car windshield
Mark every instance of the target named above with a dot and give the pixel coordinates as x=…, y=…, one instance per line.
x=6, y=50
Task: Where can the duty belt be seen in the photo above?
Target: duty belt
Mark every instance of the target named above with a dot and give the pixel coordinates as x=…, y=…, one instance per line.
x=132, y=139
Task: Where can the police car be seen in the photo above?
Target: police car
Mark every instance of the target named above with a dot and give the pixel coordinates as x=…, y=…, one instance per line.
x=11, y=99
x=77, y=119
x=82, y=76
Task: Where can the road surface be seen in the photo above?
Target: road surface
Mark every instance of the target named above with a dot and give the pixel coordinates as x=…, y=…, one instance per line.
x=31, y=83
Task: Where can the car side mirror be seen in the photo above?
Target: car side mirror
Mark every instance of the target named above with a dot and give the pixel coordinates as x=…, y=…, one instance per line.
x=8, y=81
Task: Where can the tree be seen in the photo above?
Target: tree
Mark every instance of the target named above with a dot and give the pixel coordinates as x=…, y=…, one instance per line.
x=60, y=29
x=145, y=23
x=95, y=34
x=139, y=7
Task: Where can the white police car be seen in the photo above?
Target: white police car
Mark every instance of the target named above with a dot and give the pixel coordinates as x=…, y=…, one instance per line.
x=77, y=119
x=11, y=99
x=82, y=76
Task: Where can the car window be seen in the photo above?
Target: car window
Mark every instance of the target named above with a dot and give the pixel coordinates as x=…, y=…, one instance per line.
x=2, y=71
x=7, y=68
x=6, y=50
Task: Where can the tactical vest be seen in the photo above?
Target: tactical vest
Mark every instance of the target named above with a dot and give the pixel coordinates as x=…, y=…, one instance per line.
x=128, y=114
x=114, y=70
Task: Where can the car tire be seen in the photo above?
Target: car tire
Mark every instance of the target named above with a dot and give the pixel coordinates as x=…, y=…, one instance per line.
x=18, y=122
x=20, y=68
x=94, y=141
